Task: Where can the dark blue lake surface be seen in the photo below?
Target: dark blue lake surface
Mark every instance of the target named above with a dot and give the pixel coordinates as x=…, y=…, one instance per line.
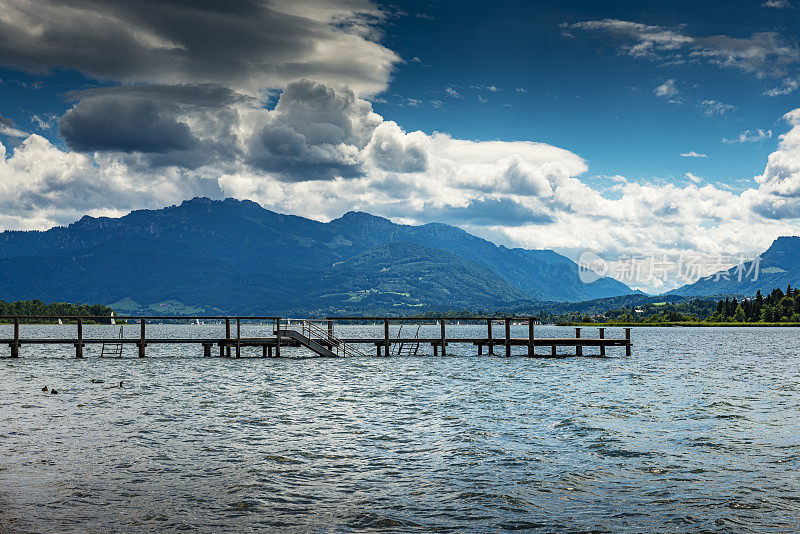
x=696, y=431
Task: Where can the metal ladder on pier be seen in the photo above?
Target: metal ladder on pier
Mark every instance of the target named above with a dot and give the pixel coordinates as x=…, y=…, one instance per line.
x=407, y=349
x=318, y=339
x=112, y=350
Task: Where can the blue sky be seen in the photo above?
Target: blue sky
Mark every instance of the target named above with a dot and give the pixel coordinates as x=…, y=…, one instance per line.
x=518, y=73
x=658, y=129
x=583, y=94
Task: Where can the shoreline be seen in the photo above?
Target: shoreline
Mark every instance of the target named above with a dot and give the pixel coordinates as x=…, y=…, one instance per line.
x=681, y=323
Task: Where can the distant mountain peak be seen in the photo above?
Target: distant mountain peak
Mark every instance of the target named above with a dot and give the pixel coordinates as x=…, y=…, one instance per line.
x=785, y=241
x=779, y=266
x=360, y=216
x=229, y=201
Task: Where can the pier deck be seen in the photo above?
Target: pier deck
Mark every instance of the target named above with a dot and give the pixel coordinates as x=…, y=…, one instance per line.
x=318, y=336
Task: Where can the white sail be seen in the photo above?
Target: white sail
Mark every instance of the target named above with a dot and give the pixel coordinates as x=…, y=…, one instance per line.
x=197, y=321
x=60, y=321
x=112, y=318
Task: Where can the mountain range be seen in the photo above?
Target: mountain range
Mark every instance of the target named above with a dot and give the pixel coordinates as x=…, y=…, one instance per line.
x=778, y=266
x=235, y=257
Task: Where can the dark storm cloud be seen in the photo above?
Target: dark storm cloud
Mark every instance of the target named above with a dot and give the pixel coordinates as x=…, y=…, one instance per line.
x=314, y=133
x=245, y=44
x=106, y=123
x=154, y=120
x=287, y=154
x=195, y=95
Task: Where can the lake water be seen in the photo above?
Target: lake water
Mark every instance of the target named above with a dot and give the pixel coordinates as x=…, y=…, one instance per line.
x=696, y=431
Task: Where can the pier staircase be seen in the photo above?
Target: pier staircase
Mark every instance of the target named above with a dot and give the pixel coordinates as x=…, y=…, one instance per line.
x=407, y=349
x=112, y=349
x=317, y=338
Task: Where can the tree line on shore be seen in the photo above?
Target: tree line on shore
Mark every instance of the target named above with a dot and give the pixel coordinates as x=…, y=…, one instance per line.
x=50, y=312
x=776, y=307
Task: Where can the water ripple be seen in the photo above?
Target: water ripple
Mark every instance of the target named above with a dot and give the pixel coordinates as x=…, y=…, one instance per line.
x=697, y=431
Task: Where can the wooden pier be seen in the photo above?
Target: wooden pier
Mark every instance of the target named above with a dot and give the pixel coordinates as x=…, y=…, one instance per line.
x=319, y=336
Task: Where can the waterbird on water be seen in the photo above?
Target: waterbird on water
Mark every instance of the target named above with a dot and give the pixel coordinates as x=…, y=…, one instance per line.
x=44, y=389
x=97, y=381
x=53, y=392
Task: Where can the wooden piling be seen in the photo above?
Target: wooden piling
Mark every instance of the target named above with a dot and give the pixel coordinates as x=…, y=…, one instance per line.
x=602, y=347
x=531, y=351
x=386, y=336
x=79, y=342
x=444, y=338
x=206, y=350
x=489, y=335
x=141, y=343
x=435, y=349
x=238, y=337
x=628, y=342
x=278, y=337
x=15, y=343
x=228, y=337
x=578, y=348
x=330, y=329
x=553, y=352
x=508, y=336
x=480, y=349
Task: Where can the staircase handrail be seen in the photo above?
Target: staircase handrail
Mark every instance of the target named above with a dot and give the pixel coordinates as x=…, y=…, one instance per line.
x=312, y=330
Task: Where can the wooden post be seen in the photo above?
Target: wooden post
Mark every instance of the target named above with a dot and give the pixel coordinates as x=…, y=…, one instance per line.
x=15, y=344
x=578, y=348
x=480, y=349
x=553, y=352
x=628, y=342
x=228, y=337
x=508, y=336
x=377, y=349
x=206, y=350
x=330, y=329
x=264, y=350
x=489, y=333
x=602, y=346
x=531, y=350
x=79, y=343
x=386, y=335
x=435, y=349
x=141, y=343
x=278, y=337
x=444, y=338
x=238, y=337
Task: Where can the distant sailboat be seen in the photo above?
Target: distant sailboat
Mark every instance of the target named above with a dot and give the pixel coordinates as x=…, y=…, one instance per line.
x=112, y=318
x=197, y=321
x=60, y=321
